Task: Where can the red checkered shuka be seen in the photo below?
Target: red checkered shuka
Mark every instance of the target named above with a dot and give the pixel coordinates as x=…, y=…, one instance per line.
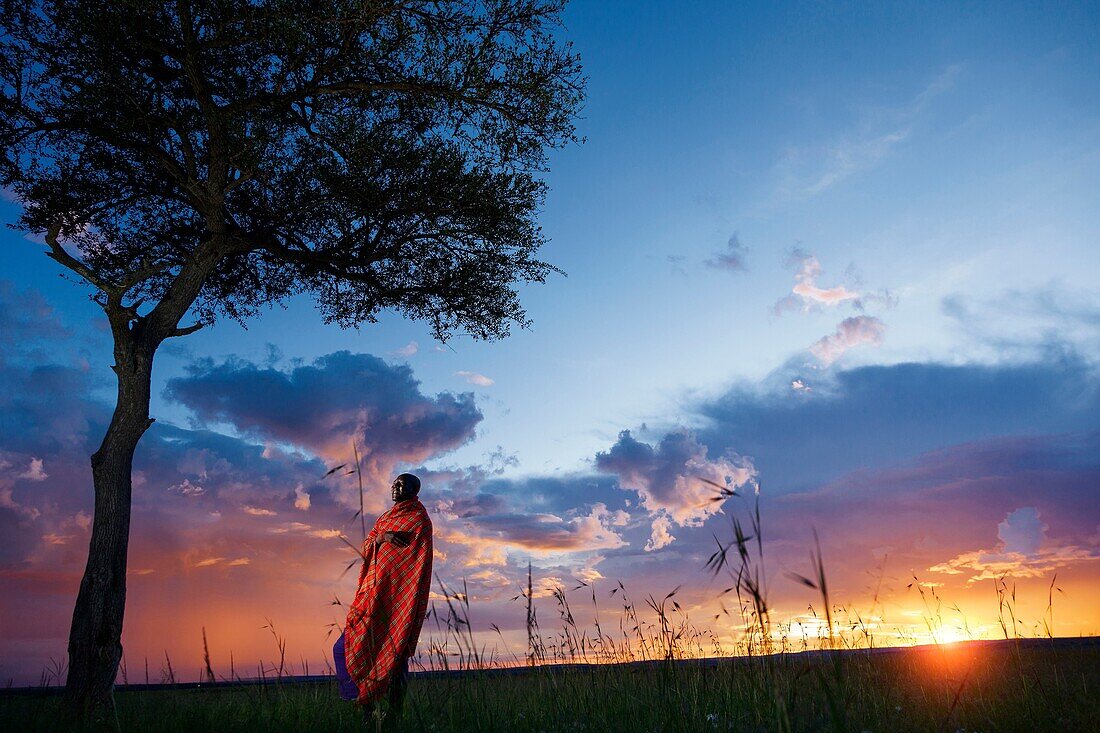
x=384, y=620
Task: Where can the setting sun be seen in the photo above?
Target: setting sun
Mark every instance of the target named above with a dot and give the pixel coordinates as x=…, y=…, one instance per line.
x=549, y=365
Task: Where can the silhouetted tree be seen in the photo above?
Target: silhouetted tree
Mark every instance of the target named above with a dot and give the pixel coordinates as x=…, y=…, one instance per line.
x=210, y=157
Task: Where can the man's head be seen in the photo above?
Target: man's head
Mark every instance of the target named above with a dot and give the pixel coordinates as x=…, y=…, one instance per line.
x=405, y=487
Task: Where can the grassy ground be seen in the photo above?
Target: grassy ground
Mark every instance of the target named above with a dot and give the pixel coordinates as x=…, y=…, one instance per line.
x=1038, y=686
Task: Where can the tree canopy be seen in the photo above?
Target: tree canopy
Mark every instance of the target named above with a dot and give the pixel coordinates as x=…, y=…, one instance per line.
x=377, y=154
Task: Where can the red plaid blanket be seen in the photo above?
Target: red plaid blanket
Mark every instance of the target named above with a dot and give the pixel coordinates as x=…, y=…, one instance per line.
x=384, y=620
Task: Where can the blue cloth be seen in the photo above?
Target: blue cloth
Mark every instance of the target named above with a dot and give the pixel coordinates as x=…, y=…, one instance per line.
x=348, y=689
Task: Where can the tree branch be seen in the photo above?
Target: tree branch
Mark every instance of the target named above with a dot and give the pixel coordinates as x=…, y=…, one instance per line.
x=60, y=255
x=186, y=330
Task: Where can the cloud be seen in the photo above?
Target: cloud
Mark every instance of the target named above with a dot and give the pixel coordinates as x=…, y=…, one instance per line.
x=211, y=561
x=407, y=350
x=35, y=471
x=849, y=156
x=186, y=488
x=474, y=378
x=564, y=524
x=495, y=534
x=850, y=332
x=808, y=270
x=1027, y=324
x=809, y=171
x=806, y=294
x=8, y=501
x=672, y=478
x=990, y=564
x=1021, y=553
x=872, y=416
x=325, y=405
x=464, y=507
x=917, y=462
x=958, y=494
x=301, y=498
x=204, y=503
x=1022, y=532
x=661, y=536
x=733, y=258
x=28, y=323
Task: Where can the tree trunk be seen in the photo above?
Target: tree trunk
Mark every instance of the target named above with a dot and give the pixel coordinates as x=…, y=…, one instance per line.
x=95, y=639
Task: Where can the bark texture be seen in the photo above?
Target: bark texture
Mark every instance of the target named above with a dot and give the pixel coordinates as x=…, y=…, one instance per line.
x=95, y=638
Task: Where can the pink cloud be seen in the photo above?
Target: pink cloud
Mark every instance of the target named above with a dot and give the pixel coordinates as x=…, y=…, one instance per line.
x=675, y=478
x=301, y=498
x=35, y=471
x=850, y=332
x=661, y=536
x=474, y=378
x=806, y=293
x=407, y=350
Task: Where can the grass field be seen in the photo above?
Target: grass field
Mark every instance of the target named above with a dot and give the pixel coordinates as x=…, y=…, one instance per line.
x=658, y=673
x=1013, y=685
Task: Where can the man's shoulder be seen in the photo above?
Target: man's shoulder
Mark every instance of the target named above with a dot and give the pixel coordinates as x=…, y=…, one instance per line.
x=418, y=515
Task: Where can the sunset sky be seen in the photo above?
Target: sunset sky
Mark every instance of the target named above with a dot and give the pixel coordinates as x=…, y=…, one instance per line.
x=847, y=256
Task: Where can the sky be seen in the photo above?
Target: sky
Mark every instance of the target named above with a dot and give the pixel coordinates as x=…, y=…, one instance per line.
x=842, y=255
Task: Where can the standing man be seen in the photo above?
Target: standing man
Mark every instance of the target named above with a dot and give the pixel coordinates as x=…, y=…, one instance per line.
x=384, y=620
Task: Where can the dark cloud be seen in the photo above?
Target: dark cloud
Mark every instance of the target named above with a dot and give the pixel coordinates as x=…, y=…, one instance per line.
x=878, y=415
x=557, y=494
x=45, y=403
x=481, y=504
x=484, y=518
x=48, y=408
x=26, y=319
x=585, y=532
x=931, y=514
x=732, y=258
x=980, y=478
x=322, y=406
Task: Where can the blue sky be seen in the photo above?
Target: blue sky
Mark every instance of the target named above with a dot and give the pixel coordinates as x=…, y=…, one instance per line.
x=931, y=153
x=909, y=193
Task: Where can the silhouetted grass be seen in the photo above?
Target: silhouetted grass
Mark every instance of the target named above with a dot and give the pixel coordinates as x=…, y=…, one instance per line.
x=650, y=674
x=969, y=687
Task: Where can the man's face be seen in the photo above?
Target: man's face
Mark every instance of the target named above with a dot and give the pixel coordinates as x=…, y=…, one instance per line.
x=397, y=489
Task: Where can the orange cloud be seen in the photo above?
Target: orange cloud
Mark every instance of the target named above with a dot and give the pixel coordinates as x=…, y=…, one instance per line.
x=988, y=564
x=1021, y=552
